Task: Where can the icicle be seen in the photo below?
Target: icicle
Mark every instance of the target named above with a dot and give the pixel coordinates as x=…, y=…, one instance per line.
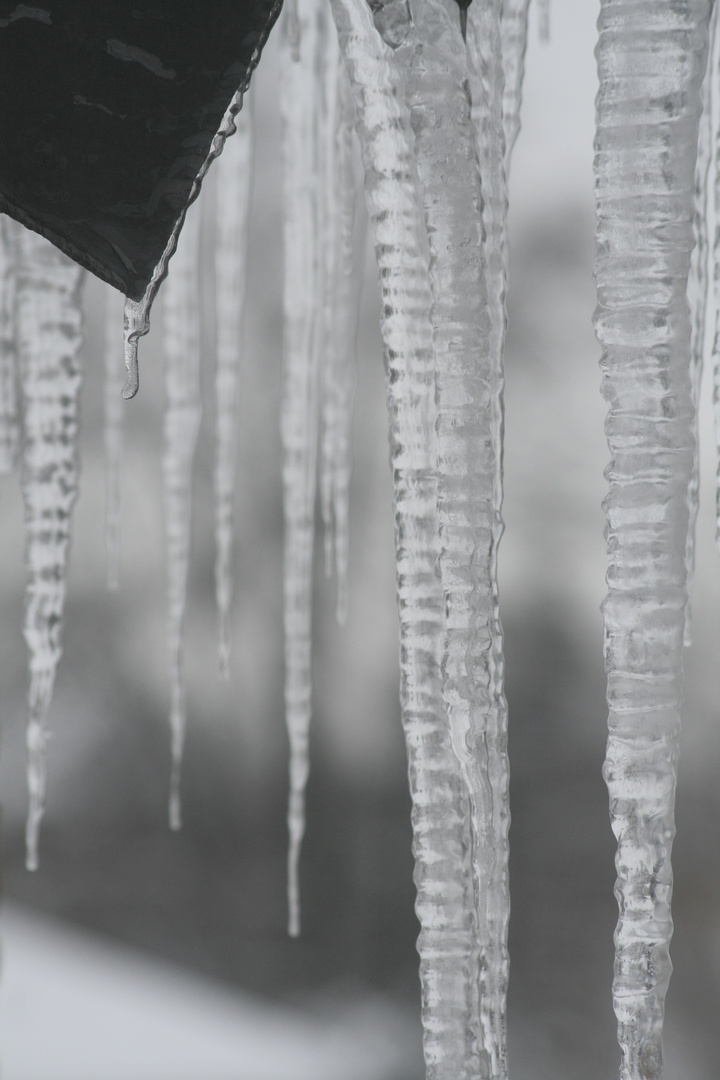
x=234, y=172
x=340, y=310
x=651, y=59
x=698, y=287
x=302, y=58
x=445, y=900
x=49, y=329
x=513, y=31
x=9, y=428
x=182, y=421
x=714, y=203
x=487, y=84
x=113, y=432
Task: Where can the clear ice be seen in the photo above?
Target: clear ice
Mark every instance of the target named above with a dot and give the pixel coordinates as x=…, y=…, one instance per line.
x=9, y=424
x=234, y=181
x=182, y=421
x=49, y=337
x=651, y=60
x=113, y=432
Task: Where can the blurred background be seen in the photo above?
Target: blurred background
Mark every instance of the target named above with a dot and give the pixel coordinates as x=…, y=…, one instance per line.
x=145, y=955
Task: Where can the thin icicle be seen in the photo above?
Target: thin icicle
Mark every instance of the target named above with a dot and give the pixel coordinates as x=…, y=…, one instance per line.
x=651, y=59
x=9, y=427
x=234, y=173
x=714, y=202
x=182, y=420
x=445, y=899
x=513, y=32
x=698, y=291
x=113, y=431
x=341, y=313
x=302, y=52
x=468, y=384
x=49, y=334
x=487, y=85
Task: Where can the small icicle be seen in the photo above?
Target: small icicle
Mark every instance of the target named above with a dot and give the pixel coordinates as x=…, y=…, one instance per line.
x=445, y=896
x=698, y=290
x=341, y=312
x=713, y=86
x=9, y=427
x=301, y=91
x=113, y=432
x=648, y=111
x=49, y=335
x=234, y=175
x=513, y=33
x=486, y=87
x=181, y=317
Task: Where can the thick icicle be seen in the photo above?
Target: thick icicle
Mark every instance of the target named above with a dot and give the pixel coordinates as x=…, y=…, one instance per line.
x=113, y=431
x=513, y=32
x=182, y=421
x=484, y=43
x=9, y=427
x=342, y=285
x=440, y=817
x=234, y=173
x=468, y=384
x=303, y=46
x=651, y=58
x=698, y=288
x=49, y=334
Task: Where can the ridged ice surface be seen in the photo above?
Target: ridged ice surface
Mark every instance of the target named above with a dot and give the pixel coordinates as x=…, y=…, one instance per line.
x=182, y=421
x=49, y=337
x=9, y=426
x=304, y=40
x=440, y=817
x=651, y=59
x=341, y=301
x=234, y=181
x=485, y=51
x=113, y=430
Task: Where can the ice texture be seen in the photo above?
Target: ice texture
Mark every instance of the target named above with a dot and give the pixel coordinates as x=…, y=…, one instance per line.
x=234, y=181
x=9, y=425
x=49, y=338
x=513, y=35
x=440, y=814
x=113, y=431
x=651, y=60
x=341, y=303
x=304, y=42
x=182, y=422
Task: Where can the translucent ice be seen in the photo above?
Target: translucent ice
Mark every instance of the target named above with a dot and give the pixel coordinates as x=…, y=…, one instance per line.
x=9, y=426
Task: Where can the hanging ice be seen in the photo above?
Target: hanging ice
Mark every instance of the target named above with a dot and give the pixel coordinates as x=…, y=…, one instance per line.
x=445, y=901
x=49, y=336
x=305, y=43
x=651, y=59
x=113, y=431
x=340, y=322
x=9, y=427
x=513, y=34
x=234, y=175
x=182, y=421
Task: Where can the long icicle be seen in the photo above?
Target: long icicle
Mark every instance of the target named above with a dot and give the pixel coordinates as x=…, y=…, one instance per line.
x=182, y=422
x=651, y=59
x=468, y=385
x=49, y=334
x=441, y=840
x=698, y=295
x=114, y=379
x=9, y=426
x=341, y=313
x=304, y=34
x=485, y=53
x=234, y=181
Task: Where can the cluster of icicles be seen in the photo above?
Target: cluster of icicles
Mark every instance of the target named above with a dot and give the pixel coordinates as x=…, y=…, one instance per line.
x=433, y=91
